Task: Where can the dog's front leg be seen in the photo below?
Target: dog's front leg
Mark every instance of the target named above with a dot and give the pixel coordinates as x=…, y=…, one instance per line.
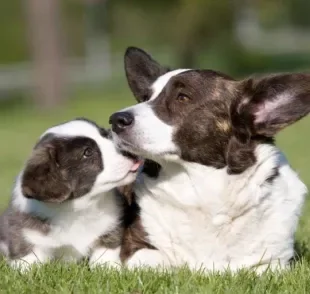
x=36, y=256
x=105, y=257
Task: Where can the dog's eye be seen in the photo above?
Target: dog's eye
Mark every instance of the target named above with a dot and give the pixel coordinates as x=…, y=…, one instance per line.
x=88, y=152
x=183, y=98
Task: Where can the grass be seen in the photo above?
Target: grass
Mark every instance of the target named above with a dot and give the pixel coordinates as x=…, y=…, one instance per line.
x=57, y=278
x=20, y=127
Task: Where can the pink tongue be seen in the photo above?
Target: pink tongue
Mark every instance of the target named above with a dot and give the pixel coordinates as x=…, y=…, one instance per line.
x=136, y=166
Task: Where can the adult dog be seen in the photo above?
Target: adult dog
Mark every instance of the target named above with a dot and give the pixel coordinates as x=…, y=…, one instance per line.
x=223, y=195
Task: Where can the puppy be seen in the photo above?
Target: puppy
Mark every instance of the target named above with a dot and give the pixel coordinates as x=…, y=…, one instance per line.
x=64, y=205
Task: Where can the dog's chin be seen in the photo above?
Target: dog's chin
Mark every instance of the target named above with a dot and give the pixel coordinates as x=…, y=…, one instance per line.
x=128, y=179
x=111, y=184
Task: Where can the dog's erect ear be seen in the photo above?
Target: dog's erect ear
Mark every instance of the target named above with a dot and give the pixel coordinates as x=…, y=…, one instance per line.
x=141, y=72
x=267, y=105
x=41, y=179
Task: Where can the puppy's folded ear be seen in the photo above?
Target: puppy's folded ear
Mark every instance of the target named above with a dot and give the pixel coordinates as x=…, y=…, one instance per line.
x=141, y=72
x=267, y=105
x=42, y=179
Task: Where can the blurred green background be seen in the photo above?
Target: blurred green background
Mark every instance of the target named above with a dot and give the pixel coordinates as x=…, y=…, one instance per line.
x=63, y=59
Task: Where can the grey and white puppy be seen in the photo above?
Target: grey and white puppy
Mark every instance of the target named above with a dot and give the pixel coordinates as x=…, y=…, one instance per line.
x=64, y=204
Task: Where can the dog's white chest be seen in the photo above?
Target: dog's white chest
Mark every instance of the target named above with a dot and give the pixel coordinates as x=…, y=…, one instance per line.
x=249, y=224
x=183, y=236
x=72, y=234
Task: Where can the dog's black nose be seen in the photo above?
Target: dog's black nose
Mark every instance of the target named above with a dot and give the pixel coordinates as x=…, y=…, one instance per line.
x=120, y=121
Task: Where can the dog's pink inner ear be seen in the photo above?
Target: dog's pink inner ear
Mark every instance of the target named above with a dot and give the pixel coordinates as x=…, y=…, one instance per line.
x=270, y=104
x=272, y=108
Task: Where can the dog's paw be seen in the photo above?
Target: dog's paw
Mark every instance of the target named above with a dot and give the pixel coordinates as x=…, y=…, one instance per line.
x=22, y=265
x=148, y=258
x=25, y=263
x=103, y=257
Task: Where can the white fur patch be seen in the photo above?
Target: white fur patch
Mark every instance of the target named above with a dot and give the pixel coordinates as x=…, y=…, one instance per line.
x=163, y=80
x=74, y=128
x=156, y=140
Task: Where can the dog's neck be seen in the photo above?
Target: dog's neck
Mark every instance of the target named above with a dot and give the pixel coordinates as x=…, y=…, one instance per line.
x=91, y=201
x=191, y=185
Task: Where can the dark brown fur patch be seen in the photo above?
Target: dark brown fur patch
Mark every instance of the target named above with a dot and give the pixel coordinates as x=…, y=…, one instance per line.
x=141, y=71
x=110, y=240
x=135, y=236
x=151, y=168
x=59, y=169
x=127, y=193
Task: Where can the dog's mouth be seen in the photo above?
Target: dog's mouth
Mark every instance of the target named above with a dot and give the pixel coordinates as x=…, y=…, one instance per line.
x=137, y=162
x=129, y=155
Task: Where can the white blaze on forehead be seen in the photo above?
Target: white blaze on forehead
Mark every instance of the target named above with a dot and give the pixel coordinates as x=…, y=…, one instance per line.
x=81, y=128
x=75, y=128
x=163, y=80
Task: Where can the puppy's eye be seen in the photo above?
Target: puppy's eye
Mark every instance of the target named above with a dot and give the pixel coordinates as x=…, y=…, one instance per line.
x=88, y=152
x=183, y=98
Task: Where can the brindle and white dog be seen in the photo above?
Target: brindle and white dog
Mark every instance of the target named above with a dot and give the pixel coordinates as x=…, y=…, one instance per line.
x=221, y=194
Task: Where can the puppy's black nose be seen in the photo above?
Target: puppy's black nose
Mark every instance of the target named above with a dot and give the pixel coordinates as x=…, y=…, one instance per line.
x=121, y=121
